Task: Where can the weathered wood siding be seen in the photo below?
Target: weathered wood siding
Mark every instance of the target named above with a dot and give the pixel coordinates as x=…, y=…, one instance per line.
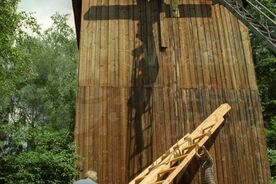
x=136, y=100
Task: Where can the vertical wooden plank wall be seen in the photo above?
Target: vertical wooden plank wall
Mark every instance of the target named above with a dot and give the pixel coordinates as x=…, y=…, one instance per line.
x=135, y=101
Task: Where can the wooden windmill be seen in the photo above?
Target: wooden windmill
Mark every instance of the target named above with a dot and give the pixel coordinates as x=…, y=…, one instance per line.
x=152, y=71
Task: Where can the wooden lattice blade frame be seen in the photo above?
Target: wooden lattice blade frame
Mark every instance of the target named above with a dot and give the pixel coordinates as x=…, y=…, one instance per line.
x=186, y=146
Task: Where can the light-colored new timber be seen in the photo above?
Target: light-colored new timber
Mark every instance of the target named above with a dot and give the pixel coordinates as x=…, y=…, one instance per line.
x=190, y=141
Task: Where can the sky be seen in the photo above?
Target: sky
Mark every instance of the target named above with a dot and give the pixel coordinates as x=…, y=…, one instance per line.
x=44, y=9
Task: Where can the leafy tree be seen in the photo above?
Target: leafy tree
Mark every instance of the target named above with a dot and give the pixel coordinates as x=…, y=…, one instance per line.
x=50, y=96
x=265, y=65
x=271, y=142
x=37, y=94
x=14, y=67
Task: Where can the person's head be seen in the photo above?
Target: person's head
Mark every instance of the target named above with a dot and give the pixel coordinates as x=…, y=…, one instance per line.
x=92, y=175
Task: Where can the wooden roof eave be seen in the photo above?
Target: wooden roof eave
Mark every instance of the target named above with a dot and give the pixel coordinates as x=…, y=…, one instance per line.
x=77, y=6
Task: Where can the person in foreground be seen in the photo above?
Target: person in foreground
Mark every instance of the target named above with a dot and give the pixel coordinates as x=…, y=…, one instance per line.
x=91, y=178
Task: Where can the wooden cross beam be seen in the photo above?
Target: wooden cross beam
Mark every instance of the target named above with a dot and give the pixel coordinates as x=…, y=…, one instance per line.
x=167, y=10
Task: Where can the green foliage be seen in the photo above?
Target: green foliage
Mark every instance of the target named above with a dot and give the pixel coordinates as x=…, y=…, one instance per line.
x=37, y=95
x=14, y=68
x=37, y=155
x=266, y=72
x=265, y=65
x=271, y=134
x=271, y=141
x=272, y=161
x=50, y=96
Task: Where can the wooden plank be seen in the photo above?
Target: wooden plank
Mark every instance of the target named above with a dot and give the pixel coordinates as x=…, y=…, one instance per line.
x=97, y=121
x=112, y=49
x=78, y=128
x=248, y=56
x=260, y=132
x=209, y=50
x=197, y=40
x=223, y=48
x=130, y=46
x=251, y=115
x=229, y=48
x=183, y=30
x=216, y=49
x=175, y=83
x=236, y=141
x=117, y=60
x=103, y=52
x=239, y=56
x=180, y=123
x=83, y=47
x=91, y=49
x=242, y=60
x=163, y=125
x=116, y=117
x=234, y=52
x=90, y=129
x=109, y=134
x=123, y=138
x=205, y=48
x=96, y=45
x=251, y=148
x=85, y=133
x=192, y=62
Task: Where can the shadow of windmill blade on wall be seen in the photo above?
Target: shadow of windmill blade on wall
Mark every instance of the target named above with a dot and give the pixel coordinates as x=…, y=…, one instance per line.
x=184, y=11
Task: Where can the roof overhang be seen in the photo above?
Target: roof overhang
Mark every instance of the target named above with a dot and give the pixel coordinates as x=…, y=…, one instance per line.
x=77, y=6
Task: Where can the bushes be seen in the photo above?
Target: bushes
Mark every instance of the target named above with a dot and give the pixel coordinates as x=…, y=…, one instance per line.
x=37, y=155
